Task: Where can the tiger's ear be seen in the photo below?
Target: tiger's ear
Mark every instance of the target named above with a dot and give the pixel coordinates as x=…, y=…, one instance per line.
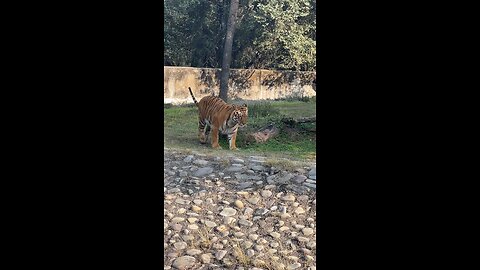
x=245, y=105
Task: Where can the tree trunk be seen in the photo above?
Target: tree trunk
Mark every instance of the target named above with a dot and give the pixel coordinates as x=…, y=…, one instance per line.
x=227, y=50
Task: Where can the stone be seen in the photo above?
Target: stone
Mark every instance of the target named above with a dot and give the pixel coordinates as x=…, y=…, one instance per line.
x=210, y=224
x=299, y=179
x=174, y=190
x=176, y=227
x=272, y=251
x=192, y=227
x=217, y=246
x=203, y=171
x=220, y=254
x=188, y=159
x=228, y=212
x=237, y=165
x=205, y=258
x=244, y=177
x=302, y=239
x=259, y=247
x=177, y=219
x=239, y=204
x=238, y=160
x=284, y=179
x=266, y=193
x=294, y=266
x=307, y=231
x=193, y=252
x=200, y=162
x=289, y=198
x=180, y=245
x=299, y=210
x=261, y=212
x=247, y=244
x=228, y=220
x=181, y=201
x=275, y=235
x=245, y=185
x=248, y=211
x=234, y=169
x=262, y=241
x=310, y=185
x=188, y=237
x=293, y=258
x=184, y=262
x=258, y=168
x=238, y=234
x=253, y=200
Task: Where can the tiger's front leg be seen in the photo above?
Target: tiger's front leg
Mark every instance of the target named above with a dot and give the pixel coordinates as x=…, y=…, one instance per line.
x=215, y=138
x=231, y=140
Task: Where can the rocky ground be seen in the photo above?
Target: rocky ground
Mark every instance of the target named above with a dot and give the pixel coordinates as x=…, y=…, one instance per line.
x=236, y=212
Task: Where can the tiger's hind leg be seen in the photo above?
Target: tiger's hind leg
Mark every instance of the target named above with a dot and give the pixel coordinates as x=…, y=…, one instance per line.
x=207, y=132
x=202, y=136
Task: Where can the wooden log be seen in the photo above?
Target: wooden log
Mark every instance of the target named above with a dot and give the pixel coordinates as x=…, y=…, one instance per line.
x=263, y=134
x=292, y=121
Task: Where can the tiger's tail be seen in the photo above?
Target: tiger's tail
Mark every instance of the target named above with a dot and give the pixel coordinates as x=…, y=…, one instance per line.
x=191, y=93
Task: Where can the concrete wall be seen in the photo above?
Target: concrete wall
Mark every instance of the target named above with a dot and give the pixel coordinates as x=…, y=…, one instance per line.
x=246, y=84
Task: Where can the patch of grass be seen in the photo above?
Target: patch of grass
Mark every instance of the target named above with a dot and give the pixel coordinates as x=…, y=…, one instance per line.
x=241, y=257
x=205, y=242
x=282, y=163
x=263, y=109
x=181, y=130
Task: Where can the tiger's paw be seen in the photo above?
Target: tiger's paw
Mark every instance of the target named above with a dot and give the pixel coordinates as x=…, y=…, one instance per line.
x=234, y=149
x=217, y=147
x=202, y=139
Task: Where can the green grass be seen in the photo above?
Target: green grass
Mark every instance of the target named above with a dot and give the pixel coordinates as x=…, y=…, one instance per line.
x=181, y=129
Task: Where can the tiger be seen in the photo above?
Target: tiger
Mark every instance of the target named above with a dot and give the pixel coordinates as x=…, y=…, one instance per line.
x=217, y=115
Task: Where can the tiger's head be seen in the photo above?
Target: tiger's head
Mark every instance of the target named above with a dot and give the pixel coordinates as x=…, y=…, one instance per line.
x=240, y=115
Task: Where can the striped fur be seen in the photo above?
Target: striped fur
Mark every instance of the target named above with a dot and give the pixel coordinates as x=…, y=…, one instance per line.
x=215, y=114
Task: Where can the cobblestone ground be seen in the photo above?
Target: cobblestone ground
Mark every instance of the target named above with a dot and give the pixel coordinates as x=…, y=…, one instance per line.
x=237, y=213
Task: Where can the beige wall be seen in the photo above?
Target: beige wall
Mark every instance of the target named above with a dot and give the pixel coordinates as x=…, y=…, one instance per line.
x=247, y=84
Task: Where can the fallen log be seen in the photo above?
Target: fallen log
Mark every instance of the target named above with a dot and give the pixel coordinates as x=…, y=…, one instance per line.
x=291, y=121
x=263, y=134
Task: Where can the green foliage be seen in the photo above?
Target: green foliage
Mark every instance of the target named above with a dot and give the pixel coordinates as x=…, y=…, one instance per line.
x=270, y=34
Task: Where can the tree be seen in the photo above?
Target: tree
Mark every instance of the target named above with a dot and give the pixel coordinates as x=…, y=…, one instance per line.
x=227, y=50
x=269, y=34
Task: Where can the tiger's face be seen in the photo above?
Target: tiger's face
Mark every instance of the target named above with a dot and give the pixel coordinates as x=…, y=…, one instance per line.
x=240, y=115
